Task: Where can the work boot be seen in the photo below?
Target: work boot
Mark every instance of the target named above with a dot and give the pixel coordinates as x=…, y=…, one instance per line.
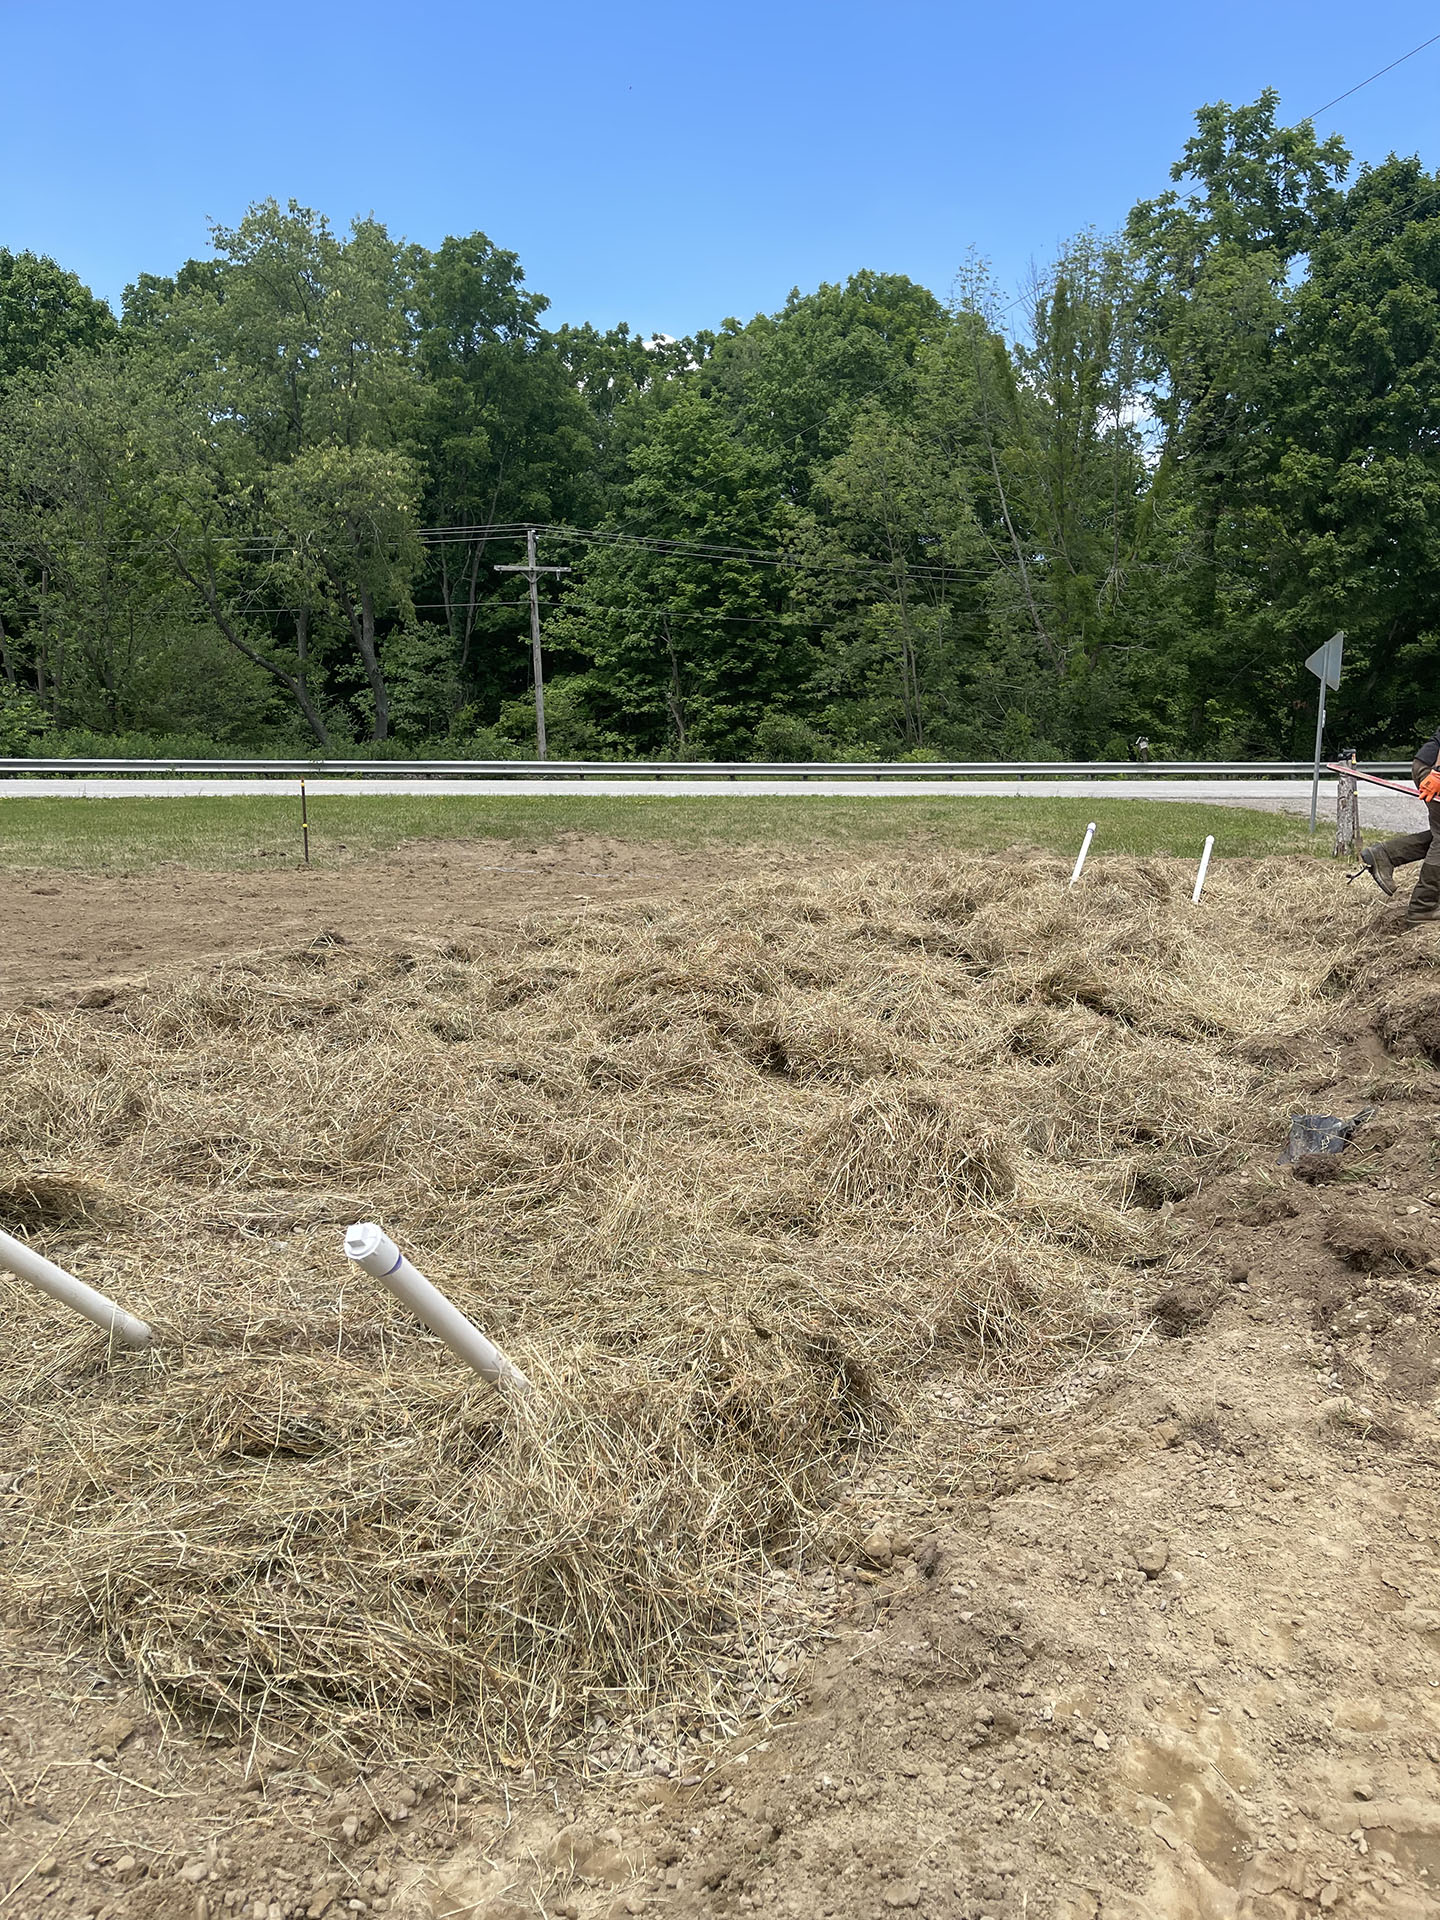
x=1376, y=863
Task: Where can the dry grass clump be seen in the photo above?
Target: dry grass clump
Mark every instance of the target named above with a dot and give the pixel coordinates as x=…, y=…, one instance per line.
x=912, y=1149
x=722, y=1178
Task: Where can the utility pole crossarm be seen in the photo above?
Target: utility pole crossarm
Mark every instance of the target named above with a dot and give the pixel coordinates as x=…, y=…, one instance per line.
x=532, y=571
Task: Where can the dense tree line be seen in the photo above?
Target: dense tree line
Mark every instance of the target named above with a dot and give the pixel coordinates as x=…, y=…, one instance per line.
x=265, y=507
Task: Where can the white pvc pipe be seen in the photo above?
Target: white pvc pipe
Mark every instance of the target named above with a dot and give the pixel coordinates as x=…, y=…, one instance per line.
x=64, y=1287
x=1084, y=849
x=1204, y=868
x=378, y=1254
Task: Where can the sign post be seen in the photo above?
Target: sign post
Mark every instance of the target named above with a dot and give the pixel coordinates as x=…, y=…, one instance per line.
x=1324, y=663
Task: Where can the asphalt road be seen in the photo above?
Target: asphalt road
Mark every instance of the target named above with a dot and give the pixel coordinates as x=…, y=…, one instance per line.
x=1379, y=810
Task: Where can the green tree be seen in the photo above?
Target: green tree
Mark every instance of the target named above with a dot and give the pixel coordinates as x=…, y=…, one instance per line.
x=796, y=380
x=1215, y=265
x=687, y=638
x=78, y=563
x=1340, y=511
x=885, y=578
x=91, y=613
x=21, y=718
x=45, y=314
x=293, y=365
x=506, y=438
x=348, y=517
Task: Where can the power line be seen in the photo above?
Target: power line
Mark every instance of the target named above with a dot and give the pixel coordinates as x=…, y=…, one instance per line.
x=1374, y=76
x=717, y=553
x=254, y=546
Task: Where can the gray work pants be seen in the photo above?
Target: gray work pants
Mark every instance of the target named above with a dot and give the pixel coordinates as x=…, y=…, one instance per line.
x=1405, y=849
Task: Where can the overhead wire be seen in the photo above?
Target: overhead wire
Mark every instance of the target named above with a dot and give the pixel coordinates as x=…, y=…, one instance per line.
x=1379, y=74
x=250, y=545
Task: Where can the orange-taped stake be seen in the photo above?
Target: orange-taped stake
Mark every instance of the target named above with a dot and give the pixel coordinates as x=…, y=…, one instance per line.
x=1084, y=849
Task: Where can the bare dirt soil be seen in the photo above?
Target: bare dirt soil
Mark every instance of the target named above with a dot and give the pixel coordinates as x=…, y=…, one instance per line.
x=73, y=932
x=1160, y=1637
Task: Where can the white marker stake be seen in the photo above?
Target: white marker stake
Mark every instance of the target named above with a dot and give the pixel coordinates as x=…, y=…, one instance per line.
x=378, y=1254
x=70, y=1292
x=1084, y=849
x=1204, y=868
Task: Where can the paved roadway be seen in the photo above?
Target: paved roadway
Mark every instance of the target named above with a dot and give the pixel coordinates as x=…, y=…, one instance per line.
x=1379, y=810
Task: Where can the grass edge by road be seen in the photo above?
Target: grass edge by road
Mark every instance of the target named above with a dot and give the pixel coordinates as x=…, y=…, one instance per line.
x=112, y=836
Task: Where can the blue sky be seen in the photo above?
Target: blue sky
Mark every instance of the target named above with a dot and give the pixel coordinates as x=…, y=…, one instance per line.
x=667, y=165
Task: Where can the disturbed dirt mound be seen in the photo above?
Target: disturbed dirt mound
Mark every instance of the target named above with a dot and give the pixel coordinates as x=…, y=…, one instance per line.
x=727, y=1180
x=927, y=1341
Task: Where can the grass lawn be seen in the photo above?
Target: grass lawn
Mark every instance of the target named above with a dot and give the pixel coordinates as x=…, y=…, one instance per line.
x=129, y=836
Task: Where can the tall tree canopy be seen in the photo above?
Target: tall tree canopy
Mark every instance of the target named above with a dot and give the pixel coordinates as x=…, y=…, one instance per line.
x=273, y=504
x=45, y=314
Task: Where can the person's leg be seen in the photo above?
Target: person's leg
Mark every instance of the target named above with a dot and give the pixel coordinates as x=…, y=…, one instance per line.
x=1399, y=852
x=1425, y=895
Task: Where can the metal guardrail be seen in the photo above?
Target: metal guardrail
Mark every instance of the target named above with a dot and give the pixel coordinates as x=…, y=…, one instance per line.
x=580, y=770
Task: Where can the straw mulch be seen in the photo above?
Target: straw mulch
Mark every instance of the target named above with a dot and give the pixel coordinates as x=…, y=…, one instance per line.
x=724, y=1179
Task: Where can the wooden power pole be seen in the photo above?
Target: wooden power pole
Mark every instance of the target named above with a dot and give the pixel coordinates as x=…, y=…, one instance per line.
x=532, y=572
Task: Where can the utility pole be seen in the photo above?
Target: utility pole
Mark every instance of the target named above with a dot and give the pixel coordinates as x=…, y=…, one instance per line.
x=532, y=573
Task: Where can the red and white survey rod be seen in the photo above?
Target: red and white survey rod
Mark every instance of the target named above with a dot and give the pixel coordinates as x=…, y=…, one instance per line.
x=1354, y=773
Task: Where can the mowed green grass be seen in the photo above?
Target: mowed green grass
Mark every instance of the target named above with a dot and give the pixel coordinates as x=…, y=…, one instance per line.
x=263, y=833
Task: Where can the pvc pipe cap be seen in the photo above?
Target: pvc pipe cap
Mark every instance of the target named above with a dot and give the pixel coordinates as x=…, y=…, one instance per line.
x=363, y=1240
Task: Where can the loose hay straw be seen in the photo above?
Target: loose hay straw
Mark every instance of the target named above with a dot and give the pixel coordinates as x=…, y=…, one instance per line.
x=721, y=1177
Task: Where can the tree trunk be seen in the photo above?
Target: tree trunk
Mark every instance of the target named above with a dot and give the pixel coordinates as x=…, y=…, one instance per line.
x=294, y=683
x=364, y=631
x=674, y=700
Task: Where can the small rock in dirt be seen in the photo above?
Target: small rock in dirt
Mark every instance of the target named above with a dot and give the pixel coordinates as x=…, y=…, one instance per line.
x=1102, y=1743
x=96, y=997
x=902, y=1895
x=929, y=1558
x=1363, y=1789
x=1152, y=1557
x=878, y=1548
x=48, y=1866
x=1044, y=1466
x=113, y=1735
